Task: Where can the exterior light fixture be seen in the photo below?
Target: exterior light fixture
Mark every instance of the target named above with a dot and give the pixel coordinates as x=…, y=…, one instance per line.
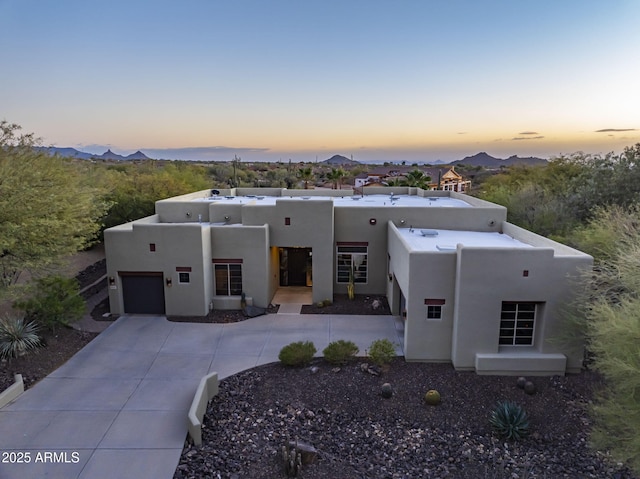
x=112, y=281
x=188, y=214
x=169, y=282
x=372, y=221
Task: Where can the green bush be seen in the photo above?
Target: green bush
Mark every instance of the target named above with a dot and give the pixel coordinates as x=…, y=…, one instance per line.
x=56, y=301
x=509, y=420
x=17, y=337
x=382, y=351
x=610, y=318
x=340, y=352
x=297, y=354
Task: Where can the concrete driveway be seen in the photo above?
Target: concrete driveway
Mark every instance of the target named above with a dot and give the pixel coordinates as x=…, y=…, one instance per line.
x=119, y=407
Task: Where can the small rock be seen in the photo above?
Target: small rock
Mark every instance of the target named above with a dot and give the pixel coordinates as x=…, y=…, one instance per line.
x=335, y=370
x=314, y=369
x=374, y=370
x=529, y=387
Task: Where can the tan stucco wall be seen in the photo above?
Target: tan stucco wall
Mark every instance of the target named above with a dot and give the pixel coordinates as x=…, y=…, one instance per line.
x=485, y=277
x=311, y=226
x=420, y=276
x=250, y=244
x=430, y=278
x=353, y=224
x=127, y=250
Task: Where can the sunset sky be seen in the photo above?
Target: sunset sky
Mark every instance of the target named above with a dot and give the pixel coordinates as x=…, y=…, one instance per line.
x=415, y=81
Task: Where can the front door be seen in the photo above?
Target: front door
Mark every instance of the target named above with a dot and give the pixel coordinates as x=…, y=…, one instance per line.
x=295, y=266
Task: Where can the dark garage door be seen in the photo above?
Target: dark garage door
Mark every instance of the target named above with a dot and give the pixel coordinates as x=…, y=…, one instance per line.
x=143, y=293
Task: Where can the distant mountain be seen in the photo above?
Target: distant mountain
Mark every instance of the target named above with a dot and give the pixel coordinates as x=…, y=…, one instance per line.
x=66, y=152
x=339, y=160
x=107, y=155
x=487, y=161
x=138, y=155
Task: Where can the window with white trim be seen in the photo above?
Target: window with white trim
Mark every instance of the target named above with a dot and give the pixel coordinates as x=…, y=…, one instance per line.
x=351, y=259
x=517, y=323
x=184, y=278
x=228, y=279
x=434, y=308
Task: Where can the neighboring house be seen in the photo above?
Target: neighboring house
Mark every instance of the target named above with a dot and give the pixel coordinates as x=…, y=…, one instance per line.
x=474, y=289
x=450, y=180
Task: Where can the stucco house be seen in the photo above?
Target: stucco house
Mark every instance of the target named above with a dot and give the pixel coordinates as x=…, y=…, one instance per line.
x=473, y=289
x=450, y=179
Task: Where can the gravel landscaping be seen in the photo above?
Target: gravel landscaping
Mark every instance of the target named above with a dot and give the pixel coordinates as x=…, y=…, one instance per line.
x=359, y=434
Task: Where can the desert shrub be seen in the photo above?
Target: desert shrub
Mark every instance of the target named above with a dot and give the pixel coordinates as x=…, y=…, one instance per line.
x=17, y=337
x=382, y=351
x=340, y=352
x=55, y=301
x=509, y=420
x=611, y=316
x=297, y=354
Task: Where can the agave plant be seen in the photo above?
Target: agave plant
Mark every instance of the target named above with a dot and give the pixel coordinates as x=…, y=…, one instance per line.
x=509, y=420
x=17, y=337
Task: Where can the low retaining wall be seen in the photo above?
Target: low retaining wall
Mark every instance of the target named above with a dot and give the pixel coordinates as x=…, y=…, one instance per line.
x=207, y=388
x=12, y=391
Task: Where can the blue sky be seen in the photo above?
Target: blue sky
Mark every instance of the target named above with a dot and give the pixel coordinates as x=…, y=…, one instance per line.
x=268, y=80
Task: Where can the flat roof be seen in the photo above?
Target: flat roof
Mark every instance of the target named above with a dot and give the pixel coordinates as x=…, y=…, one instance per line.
x=424, y=239
x=355, y=200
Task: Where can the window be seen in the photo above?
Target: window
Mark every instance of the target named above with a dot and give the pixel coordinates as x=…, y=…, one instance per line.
x=352, y=259
x=434, y=312
x=228, y=278
x=184, y=278
x=517, y=322
x=434, y=308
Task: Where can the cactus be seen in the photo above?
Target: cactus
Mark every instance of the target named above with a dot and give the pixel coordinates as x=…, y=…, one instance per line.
x=509, y=420
x=386, y=391
x=351, y=286
x=432, y=397
x=292, y=461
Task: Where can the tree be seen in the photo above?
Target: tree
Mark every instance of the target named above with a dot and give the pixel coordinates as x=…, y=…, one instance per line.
x=134, y=189
x=335, y=176
x=306, y=175
x=47, y=207
x=417, y=178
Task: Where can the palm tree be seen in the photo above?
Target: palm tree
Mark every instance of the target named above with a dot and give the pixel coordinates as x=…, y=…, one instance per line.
x=306, y=175
x=335, y=176
x=417, y=179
